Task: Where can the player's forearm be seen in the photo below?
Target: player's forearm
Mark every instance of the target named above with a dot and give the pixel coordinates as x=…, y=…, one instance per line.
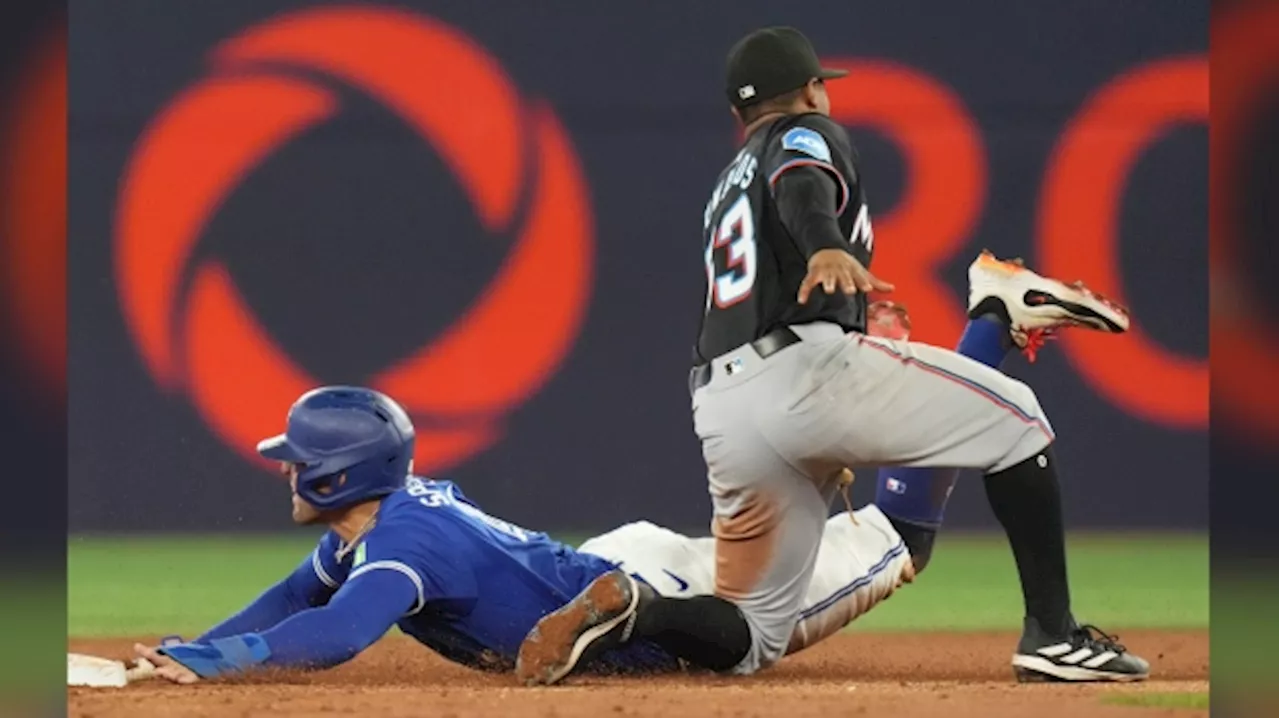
x=350, y=623
x=336, y=633
x=313, y=638
x=356, y=617
x=325, y=637
x=807, y=199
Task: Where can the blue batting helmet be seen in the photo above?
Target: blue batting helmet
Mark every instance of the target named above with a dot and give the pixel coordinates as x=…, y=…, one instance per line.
x=336, y=430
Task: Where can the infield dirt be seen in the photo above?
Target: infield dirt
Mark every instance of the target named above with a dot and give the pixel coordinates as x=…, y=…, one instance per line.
x=903, y=675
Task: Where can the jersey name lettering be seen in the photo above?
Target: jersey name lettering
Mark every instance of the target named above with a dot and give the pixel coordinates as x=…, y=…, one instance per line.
x=437, y=496
x=739, y=175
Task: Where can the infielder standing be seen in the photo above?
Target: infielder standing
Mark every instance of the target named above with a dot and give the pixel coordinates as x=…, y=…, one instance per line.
x=788, y=390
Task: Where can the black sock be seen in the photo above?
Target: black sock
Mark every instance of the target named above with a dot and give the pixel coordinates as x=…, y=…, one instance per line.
x=1027, y=500
x=707, y=631
x=918, y=539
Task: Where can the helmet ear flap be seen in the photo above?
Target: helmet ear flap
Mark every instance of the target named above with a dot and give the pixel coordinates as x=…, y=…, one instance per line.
x=331, y=483
x=316, y=490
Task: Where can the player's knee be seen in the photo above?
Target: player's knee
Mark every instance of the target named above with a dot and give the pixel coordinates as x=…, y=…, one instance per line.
x=1027, y=430
x=1027, y=406
x=770, y=636
x=1024, y=397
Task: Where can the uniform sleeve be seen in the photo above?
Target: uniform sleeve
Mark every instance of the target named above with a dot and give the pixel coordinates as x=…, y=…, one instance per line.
x=806, y=201
x=419, y=554
x=309, y=585
x=810, y=141
x=360, y=613
x=401, y=567
x=325, y=563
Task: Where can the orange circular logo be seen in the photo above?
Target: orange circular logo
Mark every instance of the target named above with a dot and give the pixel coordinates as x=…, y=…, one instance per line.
x=201, y=338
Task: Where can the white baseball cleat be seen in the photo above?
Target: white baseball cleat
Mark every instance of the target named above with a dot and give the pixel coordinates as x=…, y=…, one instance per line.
x=1037, y=307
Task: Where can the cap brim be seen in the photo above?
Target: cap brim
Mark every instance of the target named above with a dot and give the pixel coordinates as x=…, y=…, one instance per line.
x=279, y=449
x=827, y=73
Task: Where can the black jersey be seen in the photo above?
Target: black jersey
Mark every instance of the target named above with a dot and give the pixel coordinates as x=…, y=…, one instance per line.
x=754, y=266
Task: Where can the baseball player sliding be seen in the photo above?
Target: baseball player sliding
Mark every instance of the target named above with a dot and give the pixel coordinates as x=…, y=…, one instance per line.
x=789, y=389
x=416, y=553
x=412, y=552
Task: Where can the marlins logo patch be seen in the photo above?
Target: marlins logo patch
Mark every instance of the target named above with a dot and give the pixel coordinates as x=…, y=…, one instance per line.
x=803, y=139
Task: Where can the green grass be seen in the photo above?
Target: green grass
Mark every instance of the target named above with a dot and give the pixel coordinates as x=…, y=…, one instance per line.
x=1117, y=581
x=183, y=584
x=1194, y=701
x=179, y=584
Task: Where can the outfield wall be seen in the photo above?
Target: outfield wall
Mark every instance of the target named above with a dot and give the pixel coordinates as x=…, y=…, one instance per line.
x=492, y=210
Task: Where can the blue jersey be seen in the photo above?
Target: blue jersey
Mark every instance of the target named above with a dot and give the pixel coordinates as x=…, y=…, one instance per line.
x=482, y=583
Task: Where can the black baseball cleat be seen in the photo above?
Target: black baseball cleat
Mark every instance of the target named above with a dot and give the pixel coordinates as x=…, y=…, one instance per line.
x=1084, y=654
x=602, y=617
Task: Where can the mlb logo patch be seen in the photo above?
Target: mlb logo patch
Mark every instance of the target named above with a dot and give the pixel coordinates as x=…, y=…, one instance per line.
x=895, y=486
x=803, y=139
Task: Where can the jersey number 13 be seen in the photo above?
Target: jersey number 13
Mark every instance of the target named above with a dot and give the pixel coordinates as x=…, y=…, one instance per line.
x=737, y=232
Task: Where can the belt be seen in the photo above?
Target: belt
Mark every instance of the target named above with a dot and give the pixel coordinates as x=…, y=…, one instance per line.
x=766, y=346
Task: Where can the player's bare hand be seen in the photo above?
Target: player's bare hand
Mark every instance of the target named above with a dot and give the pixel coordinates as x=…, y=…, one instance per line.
x=834, y=269
x=166, y=667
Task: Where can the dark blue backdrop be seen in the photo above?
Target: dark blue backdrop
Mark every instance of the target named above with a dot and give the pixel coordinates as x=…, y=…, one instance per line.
x=357, y=218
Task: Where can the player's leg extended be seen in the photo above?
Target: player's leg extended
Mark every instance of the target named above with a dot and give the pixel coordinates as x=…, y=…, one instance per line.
x=1008, y=306
x=915, y=499
x=952, y=411
x=861, y=562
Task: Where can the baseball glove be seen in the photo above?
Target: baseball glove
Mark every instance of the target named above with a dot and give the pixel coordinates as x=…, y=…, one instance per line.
x=889, y=320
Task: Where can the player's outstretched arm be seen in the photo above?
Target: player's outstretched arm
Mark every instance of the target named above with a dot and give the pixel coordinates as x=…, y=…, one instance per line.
x=808, y=200
x=360, y=613
x=299, y=591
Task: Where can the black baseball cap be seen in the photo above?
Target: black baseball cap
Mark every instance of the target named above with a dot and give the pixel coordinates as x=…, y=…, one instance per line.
x=772, y=62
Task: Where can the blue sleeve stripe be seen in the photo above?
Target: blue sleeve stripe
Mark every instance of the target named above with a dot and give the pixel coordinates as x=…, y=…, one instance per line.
x=395, y=566
x=242, y=651
x=322, y=574
x=791, y=164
